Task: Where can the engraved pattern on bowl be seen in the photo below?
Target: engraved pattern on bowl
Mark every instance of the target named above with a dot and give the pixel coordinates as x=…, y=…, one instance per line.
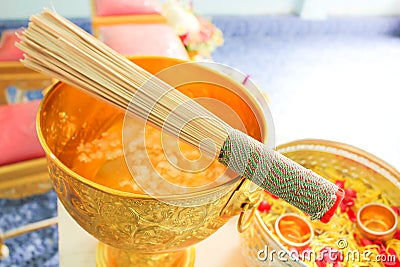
x=129, y=221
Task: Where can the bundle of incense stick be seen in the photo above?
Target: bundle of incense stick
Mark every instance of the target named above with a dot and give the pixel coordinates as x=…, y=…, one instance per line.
x=58, y=48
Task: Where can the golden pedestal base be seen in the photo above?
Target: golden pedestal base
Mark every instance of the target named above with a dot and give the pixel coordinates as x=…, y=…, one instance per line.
x=107, y=256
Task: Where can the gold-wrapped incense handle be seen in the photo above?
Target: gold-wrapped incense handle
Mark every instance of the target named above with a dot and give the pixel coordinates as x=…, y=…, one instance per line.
x=281, y=176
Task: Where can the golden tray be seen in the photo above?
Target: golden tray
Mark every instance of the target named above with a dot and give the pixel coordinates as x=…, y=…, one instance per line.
x=345, y=159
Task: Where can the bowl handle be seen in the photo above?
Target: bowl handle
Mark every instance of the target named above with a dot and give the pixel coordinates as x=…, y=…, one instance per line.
x=245, y=221
x=244, y=199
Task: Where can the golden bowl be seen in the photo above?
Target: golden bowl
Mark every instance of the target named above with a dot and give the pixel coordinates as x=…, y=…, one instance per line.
x=294, y=230
x=377, y=221
x=330, y=158
x=128, y=224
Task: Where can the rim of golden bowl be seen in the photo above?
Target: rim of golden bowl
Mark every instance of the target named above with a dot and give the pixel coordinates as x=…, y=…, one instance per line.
x=264, y=132
x=350, y=148
x=366, y=229
x=286, y=240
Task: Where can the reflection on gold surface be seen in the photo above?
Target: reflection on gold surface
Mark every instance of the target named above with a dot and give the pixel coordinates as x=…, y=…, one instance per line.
x=108, y=256
x=93, y=186
x=294, y=230
x=377, y=221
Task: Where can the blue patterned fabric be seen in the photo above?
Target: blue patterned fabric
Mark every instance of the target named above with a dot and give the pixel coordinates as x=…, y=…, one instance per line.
x=38, y=248
x=273, y=51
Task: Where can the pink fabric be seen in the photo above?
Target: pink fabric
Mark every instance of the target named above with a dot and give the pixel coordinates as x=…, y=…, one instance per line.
x=8, y=50
x=126, y=7
x=144, y=39
x=18, y=138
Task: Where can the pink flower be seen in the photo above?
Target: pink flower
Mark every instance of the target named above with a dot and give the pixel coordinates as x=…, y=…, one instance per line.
x=329, y=255
x=340, y=183
x=348, y=201
x=397, y=234
x=352, y=215
x=396, y=209
x=388, y=261
x=365, y=242
x=185, y=39
x=264, y=206
x=350, y=193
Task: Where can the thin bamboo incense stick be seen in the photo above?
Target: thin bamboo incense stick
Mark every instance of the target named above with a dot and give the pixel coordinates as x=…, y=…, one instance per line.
x=58, y=48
